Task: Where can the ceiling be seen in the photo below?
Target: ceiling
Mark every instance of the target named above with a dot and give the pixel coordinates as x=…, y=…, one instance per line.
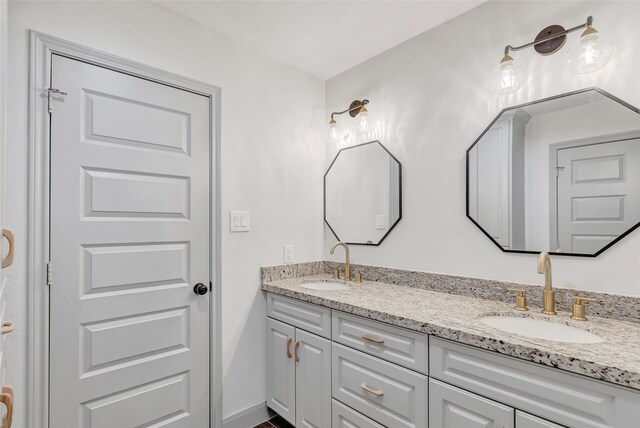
x=323, y=38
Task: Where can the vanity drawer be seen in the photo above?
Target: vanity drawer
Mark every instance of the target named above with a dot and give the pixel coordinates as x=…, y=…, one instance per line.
x=388, y=394
x=397, y=345
x=525, y=420
x=561, y=397
x=345, y=417
x=451, y=407
x=312, y=318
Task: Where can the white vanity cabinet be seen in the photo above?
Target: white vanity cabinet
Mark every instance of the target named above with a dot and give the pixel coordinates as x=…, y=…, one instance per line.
x=563, y=398
x=298, y=367
x=354, y=372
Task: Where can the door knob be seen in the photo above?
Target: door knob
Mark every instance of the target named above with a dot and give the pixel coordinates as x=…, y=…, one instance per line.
x=200, y=289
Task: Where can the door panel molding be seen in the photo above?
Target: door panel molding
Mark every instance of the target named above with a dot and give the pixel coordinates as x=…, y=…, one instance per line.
x=42, y=47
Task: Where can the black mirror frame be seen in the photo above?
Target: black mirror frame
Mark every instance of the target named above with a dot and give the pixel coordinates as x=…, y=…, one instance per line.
x=603, y=249
x=324, y=188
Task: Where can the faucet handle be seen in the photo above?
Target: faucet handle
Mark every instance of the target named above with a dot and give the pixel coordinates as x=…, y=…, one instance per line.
x=358, y=276
x=336, y=271
x=578, y=310
x=521, y=299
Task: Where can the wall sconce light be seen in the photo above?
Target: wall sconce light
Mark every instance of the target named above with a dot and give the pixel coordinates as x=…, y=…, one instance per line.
x=357, y=108
x=591, y=53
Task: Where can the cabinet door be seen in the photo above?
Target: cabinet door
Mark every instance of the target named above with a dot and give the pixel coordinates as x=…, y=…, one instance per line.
x=313, y=381
x=450, y=407
x=281, y=370
x=525, y=420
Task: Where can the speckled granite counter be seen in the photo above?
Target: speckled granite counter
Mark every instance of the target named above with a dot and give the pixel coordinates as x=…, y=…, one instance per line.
x=456, y=317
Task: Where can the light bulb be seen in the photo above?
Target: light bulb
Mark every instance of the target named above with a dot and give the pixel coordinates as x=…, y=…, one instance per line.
x=363, y=115
x=332, y=132
x=591, y=53
x=508, y=76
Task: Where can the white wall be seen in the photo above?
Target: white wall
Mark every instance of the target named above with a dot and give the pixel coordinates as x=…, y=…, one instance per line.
x=272, y=161
x=431, y=99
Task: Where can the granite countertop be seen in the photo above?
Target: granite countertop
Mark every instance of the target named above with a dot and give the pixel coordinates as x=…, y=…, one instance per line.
x=455, y=317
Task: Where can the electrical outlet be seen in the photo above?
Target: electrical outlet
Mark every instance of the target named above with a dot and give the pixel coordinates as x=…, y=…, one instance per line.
x=288, y=253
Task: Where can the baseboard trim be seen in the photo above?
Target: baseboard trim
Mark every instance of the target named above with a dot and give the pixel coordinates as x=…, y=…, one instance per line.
x=249, y=417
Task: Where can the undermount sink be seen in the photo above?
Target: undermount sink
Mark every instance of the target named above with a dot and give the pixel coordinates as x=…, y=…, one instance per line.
x=326, y=285
x=541, y=329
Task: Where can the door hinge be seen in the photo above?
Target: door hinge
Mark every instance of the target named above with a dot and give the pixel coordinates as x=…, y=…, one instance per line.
x=558, y=169
x=49, y=272
x=50, y=93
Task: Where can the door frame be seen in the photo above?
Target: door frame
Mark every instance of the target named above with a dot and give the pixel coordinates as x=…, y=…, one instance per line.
x=42, y=47
x=554, y=148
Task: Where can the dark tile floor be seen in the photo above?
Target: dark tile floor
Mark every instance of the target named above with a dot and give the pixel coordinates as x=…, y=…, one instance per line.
x=276, y=422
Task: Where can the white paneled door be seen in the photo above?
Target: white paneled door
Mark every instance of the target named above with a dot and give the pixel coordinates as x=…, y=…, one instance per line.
x=597, y=198
x=129, y=233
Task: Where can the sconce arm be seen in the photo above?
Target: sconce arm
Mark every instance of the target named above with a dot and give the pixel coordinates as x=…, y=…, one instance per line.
x=510, y=48
x=364, y=102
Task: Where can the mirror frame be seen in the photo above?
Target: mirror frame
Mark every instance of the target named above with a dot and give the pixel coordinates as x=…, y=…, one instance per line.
x=324, y=194
x=503, y=111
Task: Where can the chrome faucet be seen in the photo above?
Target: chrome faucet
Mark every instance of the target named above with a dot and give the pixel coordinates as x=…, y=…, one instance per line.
x=347, y=264
x=548, y=300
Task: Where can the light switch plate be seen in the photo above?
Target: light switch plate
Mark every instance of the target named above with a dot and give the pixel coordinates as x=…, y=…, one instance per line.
x=288, y=253
x=239, y=221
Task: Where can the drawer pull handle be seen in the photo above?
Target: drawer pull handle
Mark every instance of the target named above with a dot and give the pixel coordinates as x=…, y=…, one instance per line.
x=372, y=339
x=7, y=398
x=289, y=347
x=295, y=351
x=371, y=390
x=8, y=261
x=7, y=327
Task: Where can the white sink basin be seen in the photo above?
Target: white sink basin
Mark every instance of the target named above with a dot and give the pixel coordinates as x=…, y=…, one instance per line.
x=541, y=329
x=326, y=285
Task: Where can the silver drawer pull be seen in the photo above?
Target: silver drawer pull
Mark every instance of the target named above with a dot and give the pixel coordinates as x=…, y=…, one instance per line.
x=371, y=339
x=371, y=390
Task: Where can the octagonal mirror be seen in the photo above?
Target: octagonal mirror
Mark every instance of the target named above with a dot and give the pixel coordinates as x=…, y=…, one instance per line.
x=362, y=194
x=560, y=175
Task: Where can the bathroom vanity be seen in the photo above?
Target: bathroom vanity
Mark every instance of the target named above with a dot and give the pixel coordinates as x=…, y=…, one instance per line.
x=383, y=355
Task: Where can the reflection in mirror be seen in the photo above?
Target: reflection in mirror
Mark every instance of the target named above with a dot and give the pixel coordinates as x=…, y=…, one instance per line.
x=559, y=175
x=362, y=194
